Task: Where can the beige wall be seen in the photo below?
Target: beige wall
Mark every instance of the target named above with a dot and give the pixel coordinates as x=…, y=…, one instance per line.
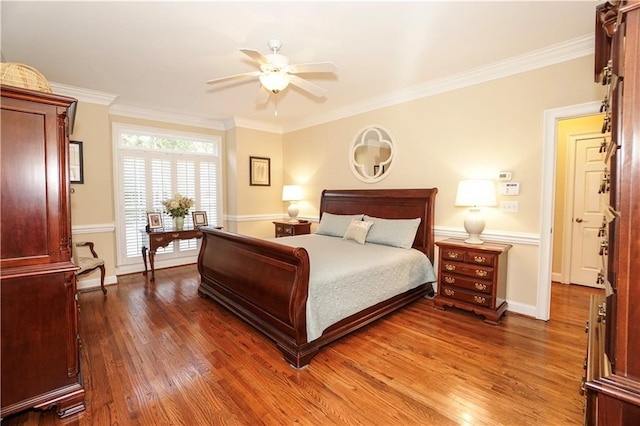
x=566, y=129
x=255, y=203
x=92, y=203
x=471, y=132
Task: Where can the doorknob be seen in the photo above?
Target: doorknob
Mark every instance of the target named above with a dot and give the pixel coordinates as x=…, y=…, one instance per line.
x=579, y=220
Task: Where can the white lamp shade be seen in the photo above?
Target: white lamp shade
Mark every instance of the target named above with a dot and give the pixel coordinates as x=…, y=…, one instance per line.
x=476, y=193
x=291, y=193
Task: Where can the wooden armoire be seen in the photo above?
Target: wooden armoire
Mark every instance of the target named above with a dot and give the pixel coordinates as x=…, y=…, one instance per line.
x=612, y=380
x=40, y=365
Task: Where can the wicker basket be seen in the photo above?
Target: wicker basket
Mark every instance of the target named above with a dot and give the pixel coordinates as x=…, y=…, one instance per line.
x=21, y=75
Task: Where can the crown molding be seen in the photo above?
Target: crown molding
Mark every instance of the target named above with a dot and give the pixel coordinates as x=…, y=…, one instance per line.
x=84, y=95
x=171, y=117
x=551, y=55
x=252, y=124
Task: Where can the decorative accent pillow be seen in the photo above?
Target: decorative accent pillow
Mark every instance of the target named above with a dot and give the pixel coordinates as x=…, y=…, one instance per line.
x=357, y=230
x=392, y=232
x=335, y=225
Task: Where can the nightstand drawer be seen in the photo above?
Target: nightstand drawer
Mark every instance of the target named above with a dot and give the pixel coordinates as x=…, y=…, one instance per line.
x=468, y=270
x=290, y=229
x=466, y=296
x=453, y=254
x=480, y=258
x=475, y=285
x=284, y=230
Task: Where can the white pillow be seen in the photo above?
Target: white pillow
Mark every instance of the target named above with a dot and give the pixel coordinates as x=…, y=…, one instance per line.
x=357, y=230
x=335, y=225
x=393, y=232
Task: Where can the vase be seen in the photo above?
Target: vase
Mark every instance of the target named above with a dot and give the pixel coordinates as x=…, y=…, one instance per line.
x=178, y=223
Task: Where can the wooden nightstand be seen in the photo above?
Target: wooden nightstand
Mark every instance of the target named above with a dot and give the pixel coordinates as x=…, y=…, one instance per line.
x=473, y=277
x=287, y=229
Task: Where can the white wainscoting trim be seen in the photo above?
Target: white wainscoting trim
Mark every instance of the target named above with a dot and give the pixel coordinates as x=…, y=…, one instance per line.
x=95, y=228
x=520, y=238
x=254, y=218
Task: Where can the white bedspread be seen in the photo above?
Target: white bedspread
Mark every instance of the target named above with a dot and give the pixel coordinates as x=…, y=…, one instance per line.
x=347, y=277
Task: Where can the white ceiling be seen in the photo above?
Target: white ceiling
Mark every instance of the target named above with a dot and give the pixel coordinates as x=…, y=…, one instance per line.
x=158, y=55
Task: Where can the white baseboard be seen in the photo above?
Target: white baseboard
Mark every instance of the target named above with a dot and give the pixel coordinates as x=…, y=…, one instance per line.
x=92, y=283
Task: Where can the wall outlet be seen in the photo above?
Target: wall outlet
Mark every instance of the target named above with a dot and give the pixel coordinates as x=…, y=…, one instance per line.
x=509, y=206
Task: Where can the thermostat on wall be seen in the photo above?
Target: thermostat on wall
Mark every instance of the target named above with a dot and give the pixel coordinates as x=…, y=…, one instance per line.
x=504, y=175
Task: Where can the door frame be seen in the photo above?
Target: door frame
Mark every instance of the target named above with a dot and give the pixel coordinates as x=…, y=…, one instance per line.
x=567, y=238
x=551, y=118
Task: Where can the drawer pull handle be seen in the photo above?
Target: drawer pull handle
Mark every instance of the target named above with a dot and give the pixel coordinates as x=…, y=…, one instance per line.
x=480, y=286
x=159, y=239
x=481, y=273
x=175, y=235
x=452, y=254
x=479, y=299
x=449, y=280
x=479, y=259
x=449, y=292
x=449, y=267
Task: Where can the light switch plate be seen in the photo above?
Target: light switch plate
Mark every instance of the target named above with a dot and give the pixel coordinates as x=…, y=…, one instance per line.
x=509, y=206
x=509, y=188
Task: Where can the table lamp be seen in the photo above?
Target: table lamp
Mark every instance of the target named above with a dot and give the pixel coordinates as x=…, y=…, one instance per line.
x=475, y=193
x=292, y=193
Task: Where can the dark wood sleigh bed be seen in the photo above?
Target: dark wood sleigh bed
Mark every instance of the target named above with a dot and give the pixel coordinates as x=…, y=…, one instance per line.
x=266, y=283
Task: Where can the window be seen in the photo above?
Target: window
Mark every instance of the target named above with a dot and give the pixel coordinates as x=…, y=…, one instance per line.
x=153, y=165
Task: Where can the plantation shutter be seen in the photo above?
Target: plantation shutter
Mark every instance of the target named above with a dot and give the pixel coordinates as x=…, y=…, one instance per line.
x=134, y=203
x=154, y=168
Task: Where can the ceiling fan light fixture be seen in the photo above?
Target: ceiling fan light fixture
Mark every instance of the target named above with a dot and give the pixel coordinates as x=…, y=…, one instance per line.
x=275, y=81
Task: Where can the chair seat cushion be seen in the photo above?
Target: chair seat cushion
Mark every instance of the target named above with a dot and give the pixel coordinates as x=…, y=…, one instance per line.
x=87, y=263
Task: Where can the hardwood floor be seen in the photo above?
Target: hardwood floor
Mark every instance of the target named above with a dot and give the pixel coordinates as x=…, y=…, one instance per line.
x=158, y=354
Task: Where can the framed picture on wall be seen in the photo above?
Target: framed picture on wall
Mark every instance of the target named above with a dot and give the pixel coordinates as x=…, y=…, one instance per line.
x=76, y=166
x=259, y=171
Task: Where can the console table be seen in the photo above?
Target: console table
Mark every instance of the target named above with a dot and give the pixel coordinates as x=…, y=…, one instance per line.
x=156, y=238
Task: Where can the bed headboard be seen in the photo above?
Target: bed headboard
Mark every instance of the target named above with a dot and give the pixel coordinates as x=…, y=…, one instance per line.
x=388, y=204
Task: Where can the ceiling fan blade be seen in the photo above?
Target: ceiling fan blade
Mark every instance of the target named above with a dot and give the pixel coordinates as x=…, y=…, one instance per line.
x=308, y=86
x=255, y=55
x=235, y=76
x=313, y=67
x=263, y=96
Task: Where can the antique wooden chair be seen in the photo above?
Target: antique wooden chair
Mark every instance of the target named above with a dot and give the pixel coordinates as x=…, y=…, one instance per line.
x=88, y=264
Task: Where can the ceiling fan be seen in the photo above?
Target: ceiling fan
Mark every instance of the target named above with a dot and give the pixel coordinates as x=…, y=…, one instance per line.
x=276, y=74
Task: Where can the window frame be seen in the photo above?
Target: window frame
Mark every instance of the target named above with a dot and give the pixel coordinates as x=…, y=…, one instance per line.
x=129, y=264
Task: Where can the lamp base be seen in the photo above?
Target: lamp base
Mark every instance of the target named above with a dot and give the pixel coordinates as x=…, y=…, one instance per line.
x=293, y=212
x=474, y=239
x=474, y=225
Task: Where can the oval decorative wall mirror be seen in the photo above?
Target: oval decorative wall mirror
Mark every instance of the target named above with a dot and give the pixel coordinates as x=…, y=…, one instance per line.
x=371, y=155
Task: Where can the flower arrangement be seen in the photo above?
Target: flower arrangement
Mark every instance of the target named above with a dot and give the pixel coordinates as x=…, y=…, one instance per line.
x=178, y=206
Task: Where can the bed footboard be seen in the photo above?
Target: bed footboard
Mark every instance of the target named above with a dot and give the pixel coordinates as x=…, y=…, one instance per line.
x=264, y=283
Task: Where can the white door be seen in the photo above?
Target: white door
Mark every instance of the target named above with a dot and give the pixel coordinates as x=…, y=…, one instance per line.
x=588, y=203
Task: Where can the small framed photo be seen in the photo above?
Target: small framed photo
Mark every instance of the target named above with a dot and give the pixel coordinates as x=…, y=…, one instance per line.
x=154, y=220
x=199, y=219
x=76, y=166
x=259, y=171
